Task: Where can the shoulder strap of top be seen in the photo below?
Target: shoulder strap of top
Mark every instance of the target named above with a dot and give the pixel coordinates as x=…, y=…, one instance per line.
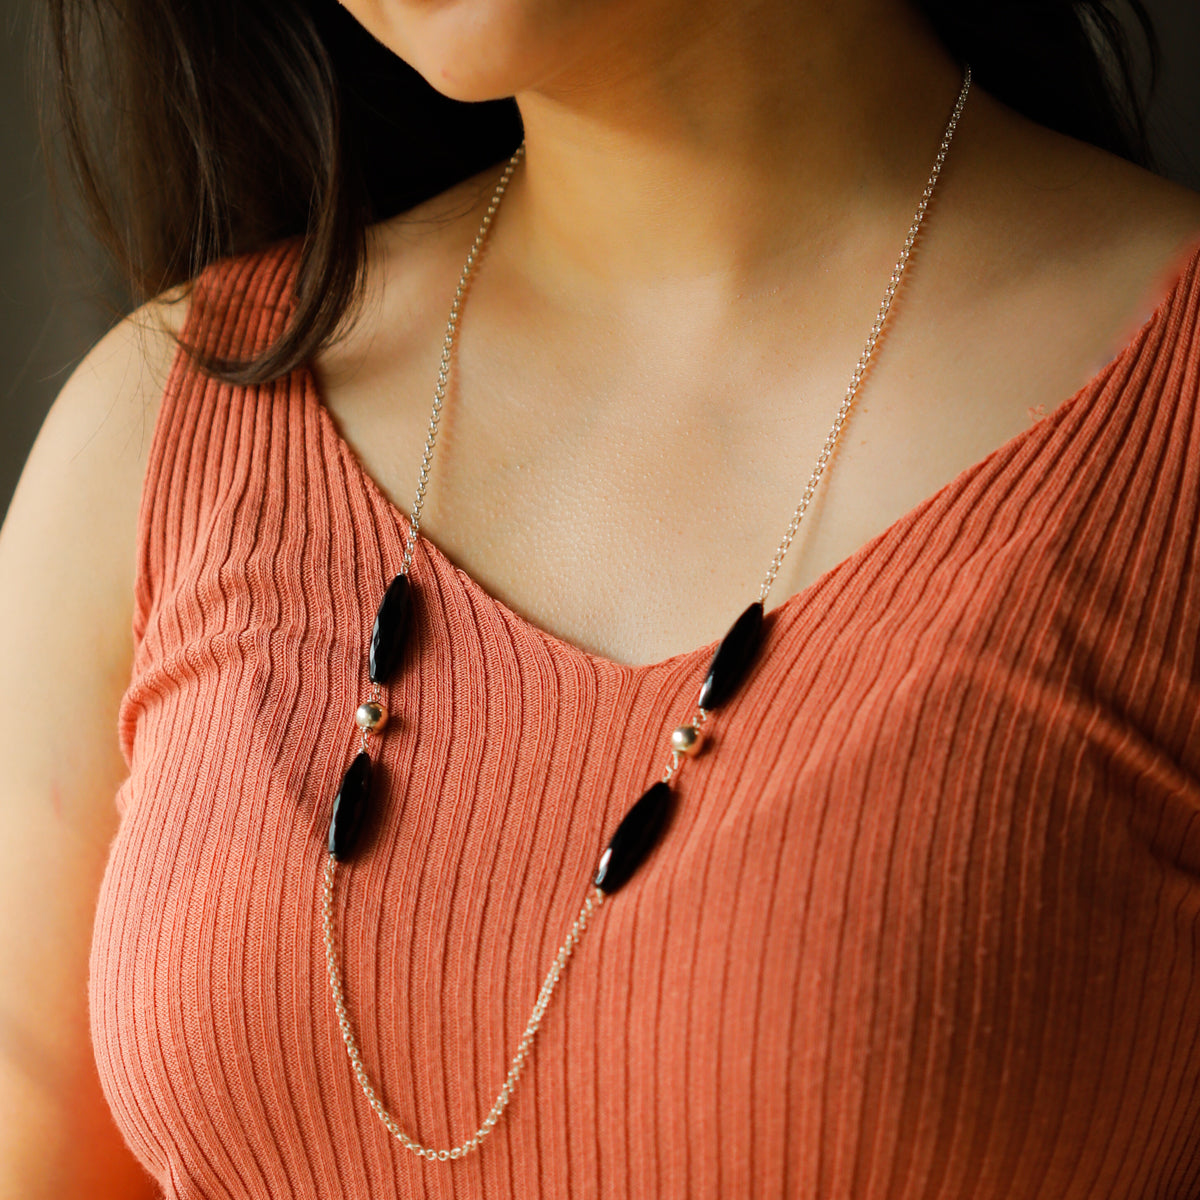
x=1164, y=373
x=1182, y=313
x=238, y=306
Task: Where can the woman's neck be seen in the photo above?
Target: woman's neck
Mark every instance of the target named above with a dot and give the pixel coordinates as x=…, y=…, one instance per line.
x=715, y=149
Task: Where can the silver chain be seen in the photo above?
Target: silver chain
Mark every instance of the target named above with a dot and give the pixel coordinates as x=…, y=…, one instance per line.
x=864, y=359
x=439, y=392
x=594, y=900
x=595, y=896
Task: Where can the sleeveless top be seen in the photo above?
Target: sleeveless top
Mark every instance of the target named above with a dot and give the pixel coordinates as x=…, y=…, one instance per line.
x=926, y=923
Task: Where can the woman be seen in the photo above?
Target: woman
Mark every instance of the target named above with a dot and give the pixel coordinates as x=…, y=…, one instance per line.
x=923, y=919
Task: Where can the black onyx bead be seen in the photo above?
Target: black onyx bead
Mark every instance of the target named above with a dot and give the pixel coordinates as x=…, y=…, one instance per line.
x=391, y=629
x=350, y=807
x=636, y=836
x=733, y=658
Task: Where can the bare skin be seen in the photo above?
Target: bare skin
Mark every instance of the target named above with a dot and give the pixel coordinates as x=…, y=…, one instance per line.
x=680, y=282
x=666, y=320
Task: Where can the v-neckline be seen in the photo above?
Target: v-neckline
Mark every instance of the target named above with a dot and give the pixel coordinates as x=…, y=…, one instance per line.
x=782, y=615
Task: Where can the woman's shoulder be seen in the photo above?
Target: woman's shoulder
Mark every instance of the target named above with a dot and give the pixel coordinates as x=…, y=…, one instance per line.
x=93, y=445
x=68, y=551
x=1150, y=261
x=1149, y=270
x=241, y=301
x=1056, y=223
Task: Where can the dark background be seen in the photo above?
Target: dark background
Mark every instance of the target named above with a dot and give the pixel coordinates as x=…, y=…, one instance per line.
x=55, y=301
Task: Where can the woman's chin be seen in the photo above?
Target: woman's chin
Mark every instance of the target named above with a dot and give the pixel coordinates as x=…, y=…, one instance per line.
x=472, y=50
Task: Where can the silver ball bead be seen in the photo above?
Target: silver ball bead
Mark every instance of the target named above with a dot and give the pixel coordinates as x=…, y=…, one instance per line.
x=371, y=715
x=685, y=740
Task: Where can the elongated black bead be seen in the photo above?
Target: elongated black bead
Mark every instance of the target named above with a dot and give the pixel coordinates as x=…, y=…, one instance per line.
x=733, y=658
x=391, y=629
x=636, y=836
x=350, y=807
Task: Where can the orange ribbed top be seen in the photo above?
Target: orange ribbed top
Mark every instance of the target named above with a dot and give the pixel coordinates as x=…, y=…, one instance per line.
x=926, y=922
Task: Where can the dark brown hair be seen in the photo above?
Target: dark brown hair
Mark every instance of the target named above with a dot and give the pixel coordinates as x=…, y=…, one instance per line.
x=197, y=129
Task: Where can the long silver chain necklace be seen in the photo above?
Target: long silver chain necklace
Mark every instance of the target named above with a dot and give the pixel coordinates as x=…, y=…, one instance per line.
x=641, y=826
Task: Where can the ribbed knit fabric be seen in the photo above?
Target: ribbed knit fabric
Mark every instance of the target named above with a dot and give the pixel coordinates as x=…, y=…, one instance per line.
x=926, y=922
